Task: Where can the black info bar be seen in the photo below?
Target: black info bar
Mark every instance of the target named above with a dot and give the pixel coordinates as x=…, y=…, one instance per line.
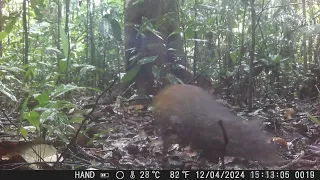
x=162, y=174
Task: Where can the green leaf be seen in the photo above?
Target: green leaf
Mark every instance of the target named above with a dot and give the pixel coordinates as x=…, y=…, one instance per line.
x=137, y=2
x=48, y=114
x=77, y=120
x=174, y=79
x=33, y=118
x=65, y=42
x=147, y=25
x=134, y=59
x=156, y=72
x=87, y=68
x=34, y=3
x=3, y=35
x=189, y=33
x=276, y=58
x=146, y=22
x=130, y=74
x=23, y=132
x=43, y=99
x=25, y=104
x=62, y=89
x=37, y=12
x=62, y=136
x=11, y=69
x=177, y=31
x=116, y=29
x=228, y=73
x=53, y=50
x=314, y=119
x=63, y=66
x=11, y=78
x=10, y=25
x=284, y=60
x=62, y=105
x=7, y=59
x=234, y=55
x=31, y=72
x=6, y=91
x=147, y=60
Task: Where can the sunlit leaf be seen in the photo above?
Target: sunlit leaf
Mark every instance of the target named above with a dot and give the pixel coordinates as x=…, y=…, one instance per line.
x=65, y=42
x=33, y=118
x=62, y=89
x=24, y=132
x=44, y=98
x=130, y=74
x=63, y=66
x=3, y=35
x=6, y=91
x=147, y=60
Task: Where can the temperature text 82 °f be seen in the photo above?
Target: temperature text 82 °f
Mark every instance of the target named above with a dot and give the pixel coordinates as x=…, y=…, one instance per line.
x=149, y=174
x=178, y=174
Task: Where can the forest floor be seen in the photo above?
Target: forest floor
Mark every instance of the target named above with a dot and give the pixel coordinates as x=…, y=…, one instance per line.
x=131, y=141
x=125, y=138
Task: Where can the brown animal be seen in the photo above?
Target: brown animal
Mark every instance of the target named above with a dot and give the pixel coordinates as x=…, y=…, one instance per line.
x=192, y=115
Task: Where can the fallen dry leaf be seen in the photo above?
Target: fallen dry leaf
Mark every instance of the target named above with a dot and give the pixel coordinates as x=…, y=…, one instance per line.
x=280, y=141
x=35, y=153
x=289, y=113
